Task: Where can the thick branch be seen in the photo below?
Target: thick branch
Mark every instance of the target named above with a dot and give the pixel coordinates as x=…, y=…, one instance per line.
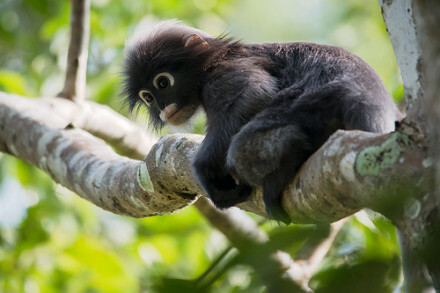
x=417, y=223
x=428, y=22
x=398, y=16
x=86, y=165
x=351, y=171
x=101, y=121
x=413, y=28
x=75, y=83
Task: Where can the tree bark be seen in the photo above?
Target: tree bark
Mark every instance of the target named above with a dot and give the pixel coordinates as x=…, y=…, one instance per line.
x=427, y=14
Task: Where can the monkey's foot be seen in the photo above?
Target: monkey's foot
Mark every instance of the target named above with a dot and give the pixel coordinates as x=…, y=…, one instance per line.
x=230, y=197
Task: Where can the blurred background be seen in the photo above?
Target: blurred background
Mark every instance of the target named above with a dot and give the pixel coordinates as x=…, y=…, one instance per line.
x=53, y=241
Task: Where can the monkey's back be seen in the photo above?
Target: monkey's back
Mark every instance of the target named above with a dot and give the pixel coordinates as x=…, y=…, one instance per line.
x=312, y=65
x=308, y=67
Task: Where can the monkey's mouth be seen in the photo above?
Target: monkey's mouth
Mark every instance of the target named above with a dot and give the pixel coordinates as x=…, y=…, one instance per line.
x=174, y=115
x=176, y=118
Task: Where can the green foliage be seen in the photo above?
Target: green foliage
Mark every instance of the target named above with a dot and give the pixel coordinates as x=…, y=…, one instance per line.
x=53, y=241
x=364, y=259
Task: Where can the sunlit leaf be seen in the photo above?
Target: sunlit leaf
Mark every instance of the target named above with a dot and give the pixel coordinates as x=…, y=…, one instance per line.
x=12, y=82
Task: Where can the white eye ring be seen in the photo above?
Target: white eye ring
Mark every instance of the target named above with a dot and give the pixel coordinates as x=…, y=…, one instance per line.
x=147, y=97
x=163, y=74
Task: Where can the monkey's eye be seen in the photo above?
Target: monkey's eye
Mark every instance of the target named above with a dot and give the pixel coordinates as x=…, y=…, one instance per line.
x=147, y=97
x=163, y=80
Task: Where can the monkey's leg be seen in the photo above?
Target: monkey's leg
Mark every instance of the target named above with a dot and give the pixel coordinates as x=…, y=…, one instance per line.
x=220, y=186
x=209, y=170
x=268, y=152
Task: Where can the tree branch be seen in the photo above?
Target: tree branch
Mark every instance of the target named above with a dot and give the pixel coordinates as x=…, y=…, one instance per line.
x=351, y=171
x=413, y=29
x=89, y=167
x=354, y=170
x=75, y=83
x=428, y=22
x=125, y=135
x=401, y=27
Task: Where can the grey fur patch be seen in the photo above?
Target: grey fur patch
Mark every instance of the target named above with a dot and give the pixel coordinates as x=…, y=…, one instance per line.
x=254, y=154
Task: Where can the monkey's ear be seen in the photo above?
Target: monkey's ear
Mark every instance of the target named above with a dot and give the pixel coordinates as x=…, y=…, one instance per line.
x=193, y=40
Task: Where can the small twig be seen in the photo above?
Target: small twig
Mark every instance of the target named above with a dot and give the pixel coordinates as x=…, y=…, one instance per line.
x=75, y=83
x=201, y=280
x=307, y=267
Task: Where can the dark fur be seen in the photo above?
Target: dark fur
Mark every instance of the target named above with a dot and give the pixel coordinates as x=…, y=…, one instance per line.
x=268, y=106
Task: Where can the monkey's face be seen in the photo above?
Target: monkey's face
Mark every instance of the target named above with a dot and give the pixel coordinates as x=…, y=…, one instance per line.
x=165, y=72
x=171, y=96
x=169, y=92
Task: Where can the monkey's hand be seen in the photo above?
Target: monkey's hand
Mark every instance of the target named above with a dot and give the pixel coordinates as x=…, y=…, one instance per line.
x=220, y=186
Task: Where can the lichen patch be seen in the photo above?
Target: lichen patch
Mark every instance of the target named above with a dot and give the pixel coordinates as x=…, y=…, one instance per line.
x=144, y=178
x=372, y=160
